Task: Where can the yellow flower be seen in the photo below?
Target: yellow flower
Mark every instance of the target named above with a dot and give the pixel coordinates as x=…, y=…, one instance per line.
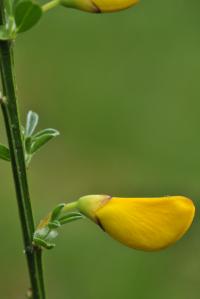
x=142, y=223
x=98, y=6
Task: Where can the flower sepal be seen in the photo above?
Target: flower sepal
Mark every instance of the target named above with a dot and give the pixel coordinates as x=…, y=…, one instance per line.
x=89, y=204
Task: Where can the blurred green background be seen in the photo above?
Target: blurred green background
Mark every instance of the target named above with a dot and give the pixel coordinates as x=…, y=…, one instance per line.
x=124, y=91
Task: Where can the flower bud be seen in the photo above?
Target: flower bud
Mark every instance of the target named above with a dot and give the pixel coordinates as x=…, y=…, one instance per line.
x=98, y=6
x=142, y=223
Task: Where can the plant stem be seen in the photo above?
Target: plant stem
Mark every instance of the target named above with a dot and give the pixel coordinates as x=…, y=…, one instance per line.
x=13, y=130
x=50, y=5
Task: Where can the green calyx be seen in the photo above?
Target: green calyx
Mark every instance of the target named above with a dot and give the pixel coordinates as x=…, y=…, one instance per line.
x=88, y=205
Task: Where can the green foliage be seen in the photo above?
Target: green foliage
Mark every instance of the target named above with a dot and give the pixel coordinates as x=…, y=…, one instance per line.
x=47, y=230
x=27, y=13
x=70, y=217
x=56, y=212
x=21, y=15
x=7, y=31
x=43, y=237
x=4, y=153
x=34, y=142
x=31, y=123
x=41, y=138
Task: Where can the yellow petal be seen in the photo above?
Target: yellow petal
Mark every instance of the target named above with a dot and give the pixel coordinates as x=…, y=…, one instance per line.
x=146, y=223
x=98, y=6
x=113, y=5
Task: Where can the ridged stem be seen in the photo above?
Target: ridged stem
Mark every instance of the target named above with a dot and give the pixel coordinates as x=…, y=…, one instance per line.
x=13, y=130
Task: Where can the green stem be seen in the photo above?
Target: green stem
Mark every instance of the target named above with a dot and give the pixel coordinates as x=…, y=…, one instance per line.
x=13, y=130
x=50, y=5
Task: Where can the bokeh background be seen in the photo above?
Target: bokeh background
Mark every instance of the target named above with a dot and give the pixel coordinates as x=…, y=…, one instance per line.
x=123, y=89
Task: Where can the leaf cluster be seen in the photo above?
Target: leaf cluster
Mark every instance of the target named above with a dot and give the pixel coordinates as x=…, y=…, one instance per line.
x=47, y=230
x=32, y=141
x=21, y=15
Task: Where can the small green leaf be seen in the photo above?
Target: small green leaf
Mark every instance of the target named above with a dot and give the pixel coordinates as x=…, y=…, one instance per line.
x=70, y=214
x=54, y=225
x=27, y=14
x=56, y=212
x=31, y=123
x=70, y=217
x=48, y=131
x=40, y=242
x=4, y=153
x=41, y=138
